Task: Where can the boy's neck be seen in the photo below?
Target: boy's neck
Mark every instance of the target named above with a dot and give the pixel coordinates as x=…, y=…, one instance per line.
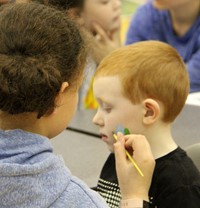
x=161, y=140
x=184, y=16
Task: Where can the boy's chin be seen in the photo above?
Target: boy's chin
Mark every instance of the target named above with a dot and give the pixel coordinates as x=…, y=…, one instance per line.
x=111, y=148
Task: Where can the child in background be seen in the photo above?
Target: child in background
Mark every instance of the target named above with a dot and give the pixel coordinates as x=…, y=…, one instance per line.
x=148, y=86
x=102, y=19
x=176, y=23
x=40, y=77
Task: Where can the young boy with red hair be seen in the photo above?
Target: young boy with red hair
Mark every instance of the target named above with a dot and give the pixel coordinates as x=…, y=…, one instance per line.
x=143, y=87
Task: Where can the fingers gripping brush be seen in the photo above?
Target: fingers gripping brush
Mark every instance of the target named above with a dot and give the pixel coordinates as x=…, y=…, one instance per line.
x=125, y=131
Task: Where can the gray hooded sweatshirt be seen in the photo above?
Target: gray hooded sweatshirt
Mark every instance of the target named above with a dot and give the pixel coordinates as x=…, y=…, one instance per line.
x=31, y=176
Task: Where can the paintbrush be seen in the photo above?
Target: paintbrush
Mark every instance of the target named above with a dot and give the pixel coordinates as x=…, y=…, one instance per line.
x=126, y=131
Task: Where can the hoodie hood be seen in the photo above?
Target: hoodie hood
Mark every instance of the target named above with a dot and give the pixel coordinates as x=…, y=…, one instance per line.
x=30, y=175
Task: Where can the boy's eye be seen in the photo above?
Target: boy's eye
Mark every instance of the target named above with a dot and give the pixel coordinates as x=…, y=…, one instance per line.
x=107, y=109
x=104, y=1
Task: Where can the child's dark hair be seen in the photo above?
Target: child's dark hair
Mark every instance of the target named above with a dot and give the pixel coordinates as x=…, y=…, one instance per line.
x=63, y=4
x=40, y=48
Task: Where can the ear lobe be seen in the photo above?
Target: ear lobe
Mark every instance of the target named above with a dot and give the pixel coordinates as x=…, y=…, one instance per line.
x=151, y=111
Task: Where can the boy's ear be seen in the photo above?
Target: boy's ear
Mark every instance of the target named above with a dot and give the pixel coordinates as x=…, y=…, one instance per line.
x=151, y=111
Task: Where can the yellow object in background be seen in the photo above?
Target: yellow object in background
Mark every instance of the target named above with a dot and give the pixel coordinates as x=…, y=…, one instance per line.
x=125, y=21
x=90, y=101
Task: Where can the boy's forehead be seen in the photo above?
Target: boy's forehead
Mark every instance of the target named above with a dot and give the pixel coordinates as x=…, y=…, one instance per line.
x=107, y=88
x=106, y=84
x=106, y=78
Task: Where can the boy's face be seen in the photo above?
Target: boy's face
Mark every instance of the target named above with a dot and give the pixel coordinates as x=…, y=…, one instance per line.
x=114, y=109
x=104, y=12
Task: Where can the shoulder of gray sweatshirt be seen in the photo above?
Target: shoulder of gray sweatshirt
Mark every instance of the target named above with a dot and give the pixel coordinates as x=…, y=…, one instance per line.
x=32, y=176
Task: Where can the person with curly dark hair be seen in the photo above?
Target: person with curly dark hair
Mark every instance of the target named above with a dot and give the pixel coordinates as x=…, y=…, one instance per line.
x=42, y=59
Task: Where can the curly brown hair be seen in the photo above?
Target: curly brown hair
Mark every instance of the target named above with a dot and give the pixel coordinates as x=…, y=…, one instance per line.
x=40, y=48
x=62, y=4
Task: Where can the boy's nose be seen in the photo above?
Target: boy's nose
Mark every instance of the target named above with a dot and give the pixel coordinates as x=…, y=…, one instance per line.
x=97, y=119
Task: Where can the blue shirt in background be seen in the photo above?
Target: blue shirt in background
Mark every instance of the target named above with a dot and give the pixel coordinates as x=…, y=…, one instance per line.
x=150, y=23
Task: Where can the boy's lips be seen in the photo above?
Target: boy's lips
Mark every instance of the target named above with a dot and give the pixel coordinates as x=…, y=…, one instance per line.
x=104, y=137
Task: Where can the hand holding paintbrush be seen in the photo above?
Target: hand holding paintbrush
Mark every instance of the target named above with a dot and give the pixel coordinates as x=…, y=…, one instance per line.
x=130, y=157
x=125, y=132
x=137, y=186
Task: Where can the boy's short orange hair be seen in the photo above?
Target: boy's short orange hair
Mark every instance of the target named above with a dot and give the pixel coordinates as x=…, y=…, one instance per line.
x=150, y=69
